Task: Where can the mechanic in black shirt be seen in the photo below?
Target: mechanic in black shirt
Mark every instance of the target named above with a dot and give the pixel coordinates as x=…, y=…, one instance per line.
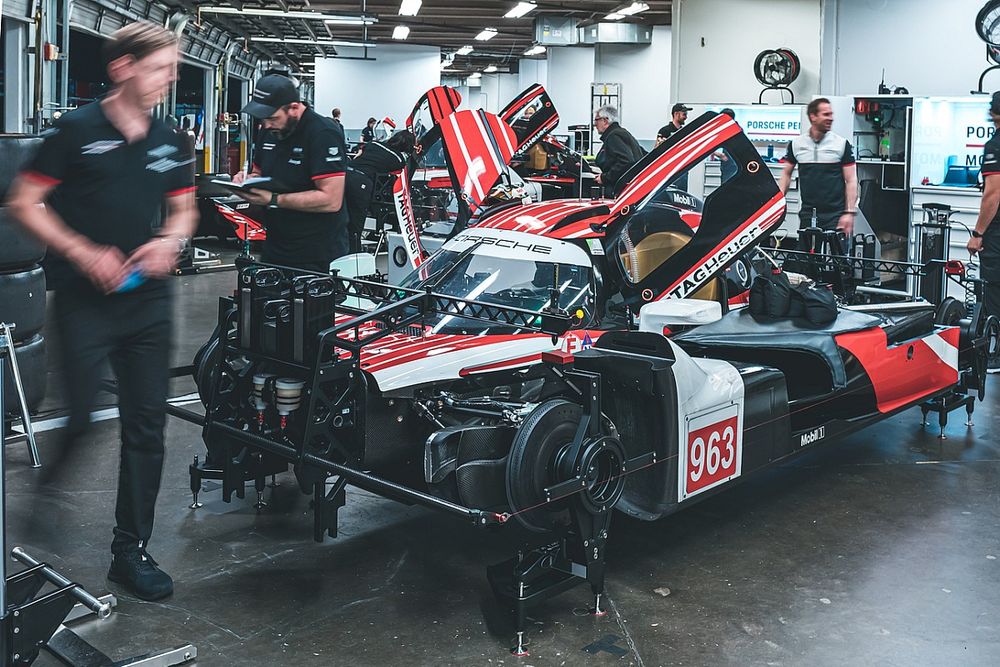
x=302, y=152
x=678, y=117
x=986, y=235
x=103, y=174
x=368, y=132
x=828, y=177
x=376, y=158
x=339, y=127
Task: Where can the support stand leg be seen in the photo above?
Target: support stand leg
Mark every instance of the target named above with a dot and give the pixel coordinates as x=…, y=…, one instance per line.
x=943, y=420
x=970, y=407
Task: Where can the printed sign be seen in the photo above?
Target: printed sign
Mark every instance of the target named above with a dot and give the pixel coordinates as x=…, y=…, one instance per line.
x=772, y=124
x=712, y=452
x=948, y=139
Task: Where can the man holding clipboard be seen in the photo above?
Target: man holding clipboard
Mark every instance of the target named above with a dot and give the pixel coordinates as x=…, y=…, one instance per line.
x=300, y=152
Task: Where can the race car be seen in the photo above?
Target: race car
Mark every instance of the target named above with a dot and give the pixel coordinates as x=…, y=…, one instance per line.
x=556, y=361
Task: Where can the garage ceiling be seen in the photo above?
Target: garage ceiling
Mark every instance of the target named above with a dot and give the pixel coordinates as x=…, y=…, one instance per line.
x=447, y=24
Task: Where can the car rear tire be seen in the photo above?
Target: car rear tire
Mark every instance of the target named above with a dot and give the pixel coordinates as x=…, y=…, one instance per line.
x=17, y=150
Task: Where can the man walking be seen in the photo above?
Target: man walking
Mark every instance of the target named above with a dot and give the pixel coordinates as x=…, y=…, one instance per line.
x=828, y=177
x=103, y=174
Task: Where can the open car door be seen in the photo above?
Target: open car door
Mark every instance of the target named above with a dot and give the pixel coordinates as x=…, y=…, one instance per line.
x=531, y=115
x=658, y=259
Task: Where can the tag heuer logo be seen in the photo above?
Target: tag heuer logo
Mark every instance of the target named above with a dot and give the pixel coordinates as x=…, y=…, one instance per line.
x=812, y=436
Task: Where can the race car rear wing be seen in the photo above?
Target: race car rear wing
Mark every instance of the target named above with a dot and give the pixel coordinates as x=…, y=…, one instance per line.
x=736, y=217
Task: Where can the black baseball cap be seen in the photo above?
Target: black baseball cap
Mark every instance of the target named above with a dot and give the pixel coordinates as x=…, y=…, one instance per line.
x=995, y=104
x=270, y=94
x=680, y=107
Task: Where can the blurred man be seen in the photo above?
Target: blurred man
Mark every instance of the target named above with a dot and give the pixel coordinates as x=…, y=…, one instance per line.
x=828, y=177
x=678, y=117
x=301, y=151
x=619, y=149
x=985, y=238
x=339, y=127
x=103, y=174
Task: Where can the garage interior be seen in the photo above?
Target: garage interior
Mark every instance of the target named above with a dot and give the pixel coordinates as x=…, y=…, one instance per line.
x=878, y=547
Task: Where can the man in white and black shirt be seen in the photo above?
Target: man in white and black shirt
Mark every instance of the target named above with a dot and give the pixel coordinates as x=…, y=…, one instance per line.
x=828, y=178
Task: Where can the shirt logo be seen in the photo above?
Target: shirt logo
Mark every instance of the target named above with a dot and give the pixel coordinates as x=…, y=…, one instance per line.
x=161, y=151
x=267, y=147
x=334, y=151
x=166, y=164
x=101, y=147
x=297, y=150
x=294, y=161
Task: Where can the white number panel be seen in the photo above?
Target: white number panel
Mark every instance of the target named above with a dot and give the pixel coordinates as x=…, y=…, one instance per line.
x=711, y=451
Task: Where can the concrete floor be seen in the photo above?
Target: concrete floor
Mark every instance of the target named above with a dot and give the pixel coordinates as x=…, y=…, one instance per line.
x=879, y=549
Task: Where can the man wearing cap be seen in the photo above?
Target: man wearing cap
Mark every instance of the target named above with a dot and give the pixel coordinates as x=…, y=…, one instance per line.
x=985, y=240
x=678, y=116
x=302, y=152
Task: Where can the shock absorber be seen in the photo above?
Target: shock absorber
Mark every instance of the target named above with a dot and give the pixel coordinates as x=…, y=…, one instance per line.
x=259, y=404
x=288, y=396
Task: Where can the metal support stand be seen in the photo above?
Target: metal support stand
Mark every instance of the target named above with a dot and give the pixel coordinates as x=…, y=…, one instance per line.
x=7, y=344
x=31, y=619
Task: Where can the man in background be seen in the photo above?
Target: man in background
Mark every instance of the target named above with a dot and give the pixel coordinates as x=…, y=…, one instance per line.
x=828, y=176
x=985, y=240
x=619, y=149
x=301, y=151
x=678, y=117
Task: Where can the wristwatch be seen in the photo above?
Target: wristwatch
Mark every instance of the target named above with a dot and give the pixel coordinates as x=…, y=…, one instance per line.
x=274, y=200
x=976, y=235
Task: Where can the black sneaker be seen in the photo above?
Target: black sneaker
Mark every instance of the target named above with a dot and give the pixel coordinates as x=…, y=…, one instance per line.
x=136, y=570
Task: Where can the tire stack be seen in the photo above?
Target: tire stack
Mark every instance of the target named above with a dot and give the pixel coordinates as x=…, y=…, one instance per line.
x=22, y=284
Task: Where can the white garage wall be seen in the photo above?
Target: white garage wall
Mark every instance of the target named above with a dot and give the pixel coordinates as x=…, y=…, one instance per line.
x=928, y=46
x=532, y=71
x=720, y=68
x=570, y=73
x=497, y=90
x=644, y=74
x=386, y=86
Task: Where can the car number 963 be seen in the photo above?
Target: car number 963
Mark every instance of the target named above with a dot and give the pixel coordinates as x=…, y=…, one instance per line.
x=713, y=453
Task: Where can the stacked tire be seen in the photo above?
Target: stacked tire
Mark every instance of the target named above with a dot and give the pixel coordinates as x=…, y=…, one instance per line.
x=22, y=284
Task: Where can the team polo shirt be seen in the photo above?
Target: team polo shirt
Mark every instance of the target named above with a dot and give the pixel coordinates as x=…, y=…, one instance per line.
x=107, y=189
x=312, y=152
x=821, y=171
x=377, y=158
x=991, y=167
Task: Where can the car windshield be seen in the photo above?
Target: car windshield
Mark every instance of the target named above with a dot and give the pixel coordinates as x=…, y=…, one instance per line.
x=505, y=276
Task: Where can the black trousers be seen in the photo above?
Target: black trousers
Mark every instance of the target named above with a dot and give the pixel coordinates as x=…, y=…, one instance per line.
x=358, y=195
x=989, y=269
x=133, y=332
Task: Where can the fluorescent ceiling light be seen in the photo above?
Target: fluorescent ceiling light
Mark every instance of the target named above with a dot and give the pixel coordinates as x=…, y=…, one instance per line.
x=615, y=16
x=409, y=7
x=277, y=13
x=321, y=42
x=490, y=69
x=536, y=50
x=475, y=75
x=464, y=51
x=400, y=32
x=520, y=9
x=487, y=34
x=632, y=9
